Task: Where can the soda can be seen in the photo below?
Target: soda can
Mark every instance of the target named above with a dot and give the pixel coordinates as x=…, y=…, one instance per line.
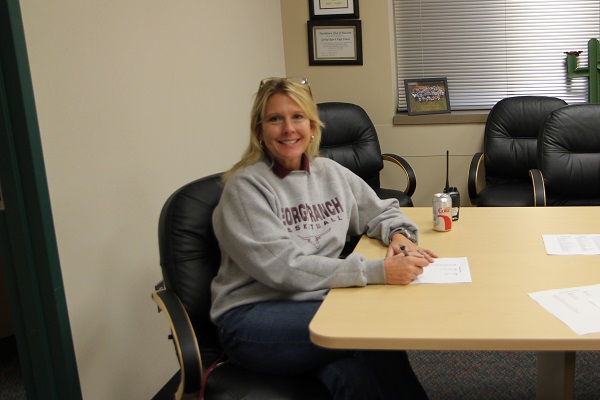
x=442, y=212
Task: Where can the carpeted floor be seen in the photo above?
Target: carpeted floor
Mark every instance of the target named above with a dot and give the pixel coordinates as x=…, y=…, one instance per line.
x=446, y=375
x=11, y=380
x=484, y=375
x=493, y=375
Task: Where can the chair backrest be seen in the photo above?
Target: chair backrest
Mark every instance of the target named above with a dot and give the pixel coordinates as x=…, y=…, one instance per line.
x=569, y=155
x=190, y=255
x=510, y=138
x=350, y=139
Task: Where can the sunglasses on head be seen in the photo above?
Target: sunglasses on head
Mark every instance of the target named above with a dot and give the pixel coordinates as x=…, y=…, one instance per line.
x=295, y=79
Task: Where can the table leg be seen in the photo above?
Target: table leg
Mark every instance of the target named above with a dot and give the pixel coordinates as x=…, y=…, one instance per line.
x=555, y=375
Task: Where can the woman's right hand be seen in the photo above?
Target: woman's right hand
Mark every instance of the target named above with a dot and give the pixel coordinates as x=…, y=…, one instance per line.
x=402, y=270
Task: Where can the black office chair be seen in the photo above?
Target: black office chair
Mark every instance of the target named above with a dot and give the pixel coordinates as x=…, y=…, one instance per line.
x=350, y=138
x=568, y=158
x=190, y=258
x=509, y=151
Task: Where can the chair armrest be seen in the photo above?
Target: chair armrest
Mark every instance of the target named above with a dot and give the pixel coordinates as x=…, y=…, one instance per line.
x=473, y=177
x=185, y=342
x=411, y=178
x=539, y=189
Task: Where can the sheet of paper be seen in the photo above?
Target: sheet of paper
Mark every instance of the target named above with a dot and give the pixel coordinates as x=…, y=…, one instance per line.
x=577, y=307
x=571, y=244
x=446, y=270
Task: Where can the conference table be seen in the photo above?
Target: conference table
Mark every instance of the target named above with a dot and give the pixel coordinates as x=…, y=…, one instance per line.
x=507, y=260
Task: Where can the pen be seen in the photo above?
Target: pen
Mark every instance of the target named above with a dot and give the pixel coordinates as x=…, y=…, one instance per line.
x=403, y=248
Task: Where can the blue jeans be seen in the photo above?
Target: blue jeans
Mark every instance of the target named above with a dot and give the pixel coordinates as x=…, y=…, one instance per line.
x=273, y=338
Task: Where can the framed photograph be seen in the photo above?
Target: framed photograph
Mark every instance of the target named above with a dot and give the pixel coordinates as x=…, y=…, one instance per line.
x=332, y=9
x=335, y=42
x=427, y=96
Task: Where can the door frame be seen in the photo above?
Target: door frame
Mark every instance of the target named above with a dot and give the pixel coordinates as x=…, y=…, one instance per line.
x=28, y=249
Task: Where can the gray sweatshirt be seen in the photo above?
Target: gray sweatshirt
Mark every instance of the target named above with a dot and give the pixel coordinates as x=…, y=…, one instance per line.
x=280, y=238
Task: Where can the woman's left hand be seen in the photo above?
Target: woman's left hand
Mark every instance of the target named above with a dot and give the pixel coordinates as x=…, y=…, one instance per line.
x=412, y=248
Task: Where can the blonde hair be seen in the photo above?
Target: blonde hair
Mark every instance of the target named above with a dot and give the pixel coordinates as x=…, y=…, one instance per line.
x=298, y=92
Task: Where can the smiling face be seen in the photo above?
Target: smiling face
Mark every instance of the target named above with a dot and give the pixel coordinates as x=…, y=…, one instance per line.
x=285, y=131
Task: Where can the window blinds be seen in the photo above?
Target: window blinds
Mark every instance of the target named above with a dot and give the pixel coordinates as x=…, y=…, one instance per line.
x=492, y=49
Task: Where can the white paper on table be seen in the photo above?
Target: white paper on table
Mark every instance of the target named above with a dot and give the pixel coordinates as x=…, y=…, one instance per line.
x=577, y=307
x=446, y=270
x=565, y=245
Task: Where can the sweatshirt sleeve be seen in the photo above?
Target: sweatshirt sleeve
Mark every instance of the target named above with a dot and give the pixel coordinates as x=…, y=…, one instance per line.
x=252, y=237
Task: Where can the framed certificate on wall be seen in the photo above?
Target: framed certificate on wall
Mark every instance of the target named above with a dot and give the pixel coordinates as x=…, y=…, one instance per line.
x=335, y=42
x=332, y=9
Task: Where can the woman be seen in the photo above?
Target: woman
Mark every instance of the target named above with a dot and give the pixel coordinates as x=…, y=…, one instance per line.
x=282, y=223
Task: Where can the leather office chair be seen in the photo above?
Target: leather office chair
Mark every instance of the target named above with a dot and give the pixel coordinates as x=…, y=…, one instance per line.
x=190, y=258
x=350, y=138
x=509, y=151
x=568, y=158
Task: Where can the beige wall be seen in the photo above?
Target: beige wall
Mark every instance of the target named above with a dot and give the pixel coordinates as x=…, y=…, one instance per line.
x=372, y=86
x=136, y=98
